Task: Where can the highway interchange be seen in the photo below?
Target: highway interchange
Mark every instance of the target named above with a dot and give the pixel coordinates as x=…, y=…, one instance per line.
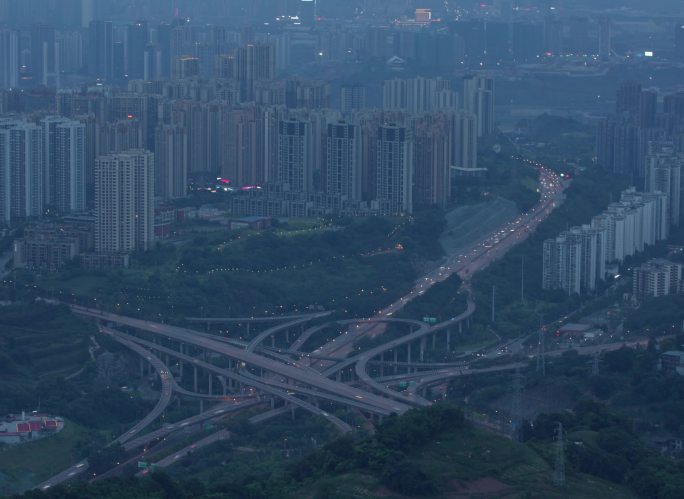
x=302, y=379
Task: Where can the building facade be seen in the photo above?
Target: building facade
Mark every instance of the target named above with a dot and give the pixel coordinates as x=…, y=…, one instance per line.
x=124, y=198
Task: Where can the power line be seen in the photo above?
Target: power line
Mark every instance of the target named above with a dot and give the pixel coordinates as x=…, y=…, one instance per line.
x=516, y=407
x=559, y=468
x=541, y=349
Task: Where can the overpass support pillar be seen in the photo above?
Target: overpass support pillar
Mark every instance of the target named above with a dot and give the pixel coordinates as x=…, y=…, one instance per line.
x=408, y=353
x=222, y=380
x=195, y=385
x=434, y=339
x=460, y=327
x=338, y=376
x=142, y=368
x=272, y=403
x=396, y=357
x=180, y=365
x=448, y=344
x=211, y=391
x=292, y=411
x=287, y=336
x=166, y=359
x=201, y=406
x=248, y=329
x=273, y=341
x=423, y=340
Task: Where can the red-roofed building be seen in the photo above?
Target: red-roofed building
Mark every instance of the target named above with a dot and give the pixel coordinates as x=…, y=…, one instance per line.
x=16, y=429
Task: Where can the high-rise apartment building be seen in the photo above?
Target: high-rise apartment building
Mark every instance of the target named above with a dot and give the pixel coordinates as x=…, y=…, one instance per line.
x=605, y=37
x=255, y=62
x=152, y=63
x=664, y=174
x=562, y=263
x=171, y=162
x=479, y=99
x=44, y=55
x=124, y=199
x=343, y=161
x=295, y=154
x=64, y=168
x=432, y=161
x=352, y=98
x=137, y=38
x=394, y=177
x=245, y=147
x=186, y=67
x=679, y=40
x=9, y=58
x=417, y=94
x=21, y=171
x=101, y=51
x=463, y=129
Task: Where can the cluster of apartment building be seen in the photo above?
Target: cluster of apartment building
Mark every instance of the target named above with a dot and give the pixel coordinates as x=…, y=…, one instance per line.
x=250, y=129
x=576, y=260
x=642, y=117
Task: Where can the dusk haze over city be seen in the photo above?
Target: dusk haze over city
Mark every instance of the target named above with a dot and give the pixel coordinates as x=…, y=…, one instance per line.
x=336, y=249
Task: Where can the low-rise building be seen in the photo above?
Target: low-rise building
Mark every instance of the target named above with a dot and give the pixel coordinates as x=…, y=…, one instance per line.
x=104, y=261
x=16, y=429
x=672, y=361
x=51, y=246
x=253, y=223
x=657, y=278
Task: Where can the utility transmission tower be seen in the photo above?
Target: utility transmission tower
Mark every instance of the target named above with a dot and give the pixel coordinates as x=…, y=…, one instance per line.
x=559, y=468
x=595, y=365
x=541, y=349
x=516, y=407
x=522, y=280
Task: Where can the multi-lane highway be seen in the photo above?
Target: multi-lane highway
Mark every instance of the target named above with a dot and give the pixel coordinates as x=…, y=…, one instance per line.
x=167, y=383
x=466, y=263
x=162, y=404
x=186, y=451
x=292, y=371
x=292, y=380
x=254, y=382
